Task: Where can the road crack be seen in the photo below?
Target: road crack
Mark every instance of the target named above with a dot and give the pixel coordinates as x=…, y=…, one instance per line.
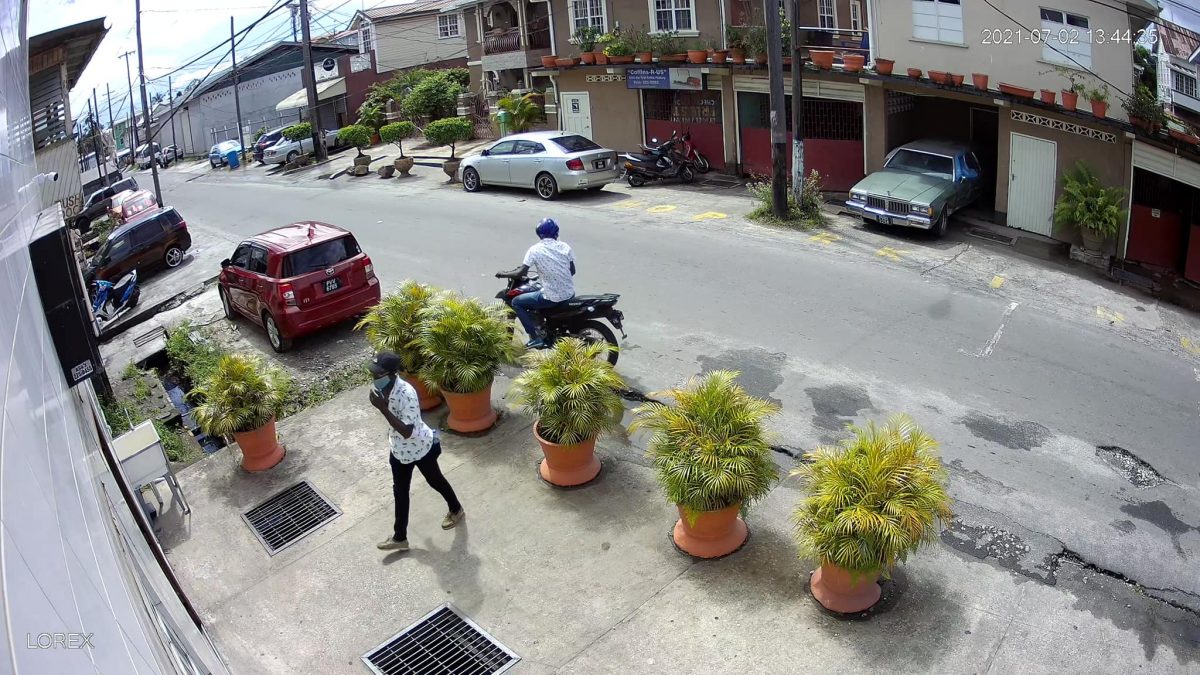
x=965, y=247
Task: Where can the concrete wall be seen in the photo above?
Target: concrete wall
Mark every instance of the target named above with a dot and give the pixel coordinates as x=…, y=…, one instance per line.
x=215, y=109
x=616, y=111
x=413, y=41
x=635, y=14
x=1018, y=64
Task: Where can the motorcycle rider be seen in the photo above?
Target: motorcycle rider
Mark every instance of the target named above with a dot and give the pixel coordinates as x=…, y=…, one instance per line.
x=554, y=263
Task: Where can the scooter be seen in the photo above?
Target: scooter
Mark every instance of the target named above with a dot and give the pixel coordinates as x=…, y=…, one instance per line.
x=658, y=163
x=578, y=317
x=692, y=154
x=113, y=300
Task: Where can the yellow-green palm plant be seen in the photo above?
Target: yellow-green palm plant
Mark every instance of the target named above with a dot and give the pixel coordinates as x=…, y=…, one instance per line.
x=710, y=448
x=394, y=324
x=463, y=342
x=873, y=500
x=240, y=395
x=571, y=390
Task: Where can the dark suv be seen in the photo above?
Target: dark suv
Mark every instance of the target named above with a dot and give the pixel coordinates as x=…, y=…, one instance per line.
x=265, y=141
x=99, y=202
x=157, y=238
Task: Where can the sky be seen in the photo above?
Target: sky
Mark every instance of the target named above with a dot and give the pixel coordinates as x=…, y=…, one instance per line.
x=173, y=33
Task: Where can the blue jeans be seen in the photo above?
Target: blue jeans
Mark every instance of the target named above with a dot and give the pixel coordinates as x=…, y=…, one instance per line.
x=522, y=304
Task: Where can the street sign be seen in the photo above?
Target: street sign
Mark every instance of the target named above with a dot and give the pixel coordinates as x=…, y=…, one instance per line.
x=687, y=79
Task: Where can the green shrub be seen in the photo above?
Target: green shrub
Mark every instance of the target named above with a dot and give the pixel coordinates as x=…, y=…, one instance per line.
x=463, y=342
x=394, y=324
x=356, y=136
x=449, y=131
x=1086, y=203
x=298, y=132
x=571, y=390
x=523, y=111
x=240, y=395
x=459, y=76
x=195, y=358
x=1144, y=104
x=396, y=132
x=873, y=500
x=434, y=97
x=805, y=213
x=370, y=116
x=262, y=131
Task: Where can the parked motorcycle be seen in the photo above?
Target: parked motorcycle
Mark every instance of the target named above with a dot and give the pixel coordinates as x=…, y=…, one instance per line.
x=658, y=163
x=692, y=154
x=113, y=300
x=578, y=317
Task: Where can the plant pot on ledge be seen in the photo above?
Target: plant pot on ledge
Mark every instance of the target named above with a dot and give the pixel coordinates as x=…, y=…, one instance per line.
x=821, y=58
x=549, y=61
x=588, y=58
x=260, y=447
x=980, y=80
x=568, y=465
x=1099, y=108
x=601, y=58
x=697, y=56
x=853, y=63
x=884, y=66
x=403, y=165
x=1070, y=99
x=450, y=167
x=710, y=534
x=1048, y=96
x=645, y=57
x=914, y=73
x=842, y=591
x=720, y=56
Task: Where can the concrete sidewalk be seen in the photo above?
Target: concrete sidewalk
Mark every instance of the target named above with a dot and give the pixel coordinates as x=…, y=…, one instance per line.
x=587, y=580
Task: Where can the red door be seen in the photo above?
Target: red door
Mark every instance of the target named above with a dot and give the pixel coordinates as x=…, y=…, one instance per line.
x=699, y=112
x=833, y=140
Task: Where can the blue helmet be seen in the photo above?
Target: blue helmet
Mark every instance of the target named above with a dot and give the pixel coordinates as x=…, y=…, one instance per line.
x=547, y=229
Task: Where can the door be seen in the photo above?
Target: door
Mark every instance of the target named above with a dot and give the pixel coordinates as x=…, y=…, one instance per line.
x=576, y=113
x=237, y=277
x=494, y=167
x=528, y=160
x=147, y=239
x=1032, y=165
x=258, y=285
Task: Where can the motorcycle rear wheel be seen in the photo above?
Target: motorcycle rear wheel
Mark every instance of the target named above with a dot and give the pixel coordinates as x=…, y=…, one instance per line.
x=636, y=180
x=687, y=175
x=702, y=163
x=595, y=331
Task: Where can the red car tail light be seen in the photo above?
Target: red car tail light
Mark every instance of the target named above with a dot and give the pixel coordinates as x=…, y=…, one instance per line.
x=575, y=164
x=289, y=296
x=368, y=267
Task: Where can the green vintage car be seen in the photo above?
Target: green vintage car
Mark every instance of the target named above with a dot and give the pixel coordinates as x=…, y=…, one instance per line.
x=920, y=185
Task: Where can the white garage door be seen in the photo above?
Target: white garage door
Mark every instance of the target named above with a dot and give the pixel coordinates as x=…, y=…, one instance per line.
x=1032, y=175
x=1166, y=163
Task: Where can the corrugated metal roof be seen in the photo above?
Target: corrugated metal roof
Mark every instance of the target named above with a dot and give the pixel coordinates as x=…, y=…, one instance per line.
x=407, y=9
x=1178, y=41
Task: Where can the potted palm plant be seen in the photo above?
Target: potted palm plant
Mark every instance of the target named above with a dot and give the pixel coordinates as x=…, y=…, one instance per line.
x=712, y=457
x=396, y=132
x=524, y=110
x=868, y=504
x=241, y=399
x=572, y=391
x=1090, y=206
x=449, y=131
x=464, y=342
x=394, y=325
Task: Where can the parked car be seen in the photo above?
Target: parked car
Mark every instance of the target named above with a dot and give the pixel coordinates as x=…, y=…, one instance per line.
x=131, y=205
x=547, y=161
x=285, y=150
x=99, y=202
x=216, y=155
x=168, y=155
x=157, y=239
x=146, y=154
x=267, y=140
x=921, y=185
x=297, y=279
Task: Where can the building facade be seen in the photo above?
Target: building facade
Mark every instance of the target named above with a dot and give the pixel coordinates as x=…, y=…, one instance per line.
x=412, y=35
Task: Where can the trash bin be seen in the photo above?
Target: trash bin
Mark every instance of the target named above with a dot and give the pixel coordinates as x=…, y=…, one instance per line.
x=231, y=158
x=504, y=118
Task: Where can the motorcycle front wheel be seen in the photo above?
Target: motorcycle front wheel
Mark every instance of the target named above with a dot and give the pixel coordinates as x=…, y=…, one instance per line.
x=702, y=163
x=595, y=331
x=687, y=175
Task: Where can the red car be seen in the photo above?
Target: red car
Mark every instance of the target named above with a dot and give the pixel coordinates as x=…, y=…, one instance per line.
x=297, y=279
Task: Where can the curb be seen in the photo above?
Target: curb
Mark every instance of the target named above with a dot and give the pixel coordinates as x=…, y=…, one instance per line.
x=150, y=311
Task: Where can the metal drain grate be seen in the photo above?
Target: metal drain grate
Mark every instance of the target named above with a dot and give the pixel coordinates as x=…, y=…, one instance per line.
x=289, y=516
x=443, y=642
x=991, y=236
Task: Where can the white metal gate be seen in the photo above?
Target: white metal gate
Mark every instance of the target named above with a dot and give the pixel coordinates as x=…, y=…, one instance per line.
x=1032, y=174
x=576, y=113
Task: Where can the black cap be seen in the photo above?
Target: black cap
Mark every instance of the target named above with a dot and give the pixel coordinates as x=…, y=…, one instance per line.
x=384, y=363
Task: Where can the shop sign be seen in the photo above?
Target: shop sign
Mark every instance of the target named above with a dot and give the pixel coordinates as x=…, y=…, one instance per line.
x=687, y=79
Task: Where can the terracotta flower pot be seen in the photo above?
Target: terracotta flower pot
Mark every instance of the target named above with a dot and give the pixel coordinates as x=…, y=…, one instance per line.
x=914, y=73
x=645, y=57
x=937, y=76
x=853, y=63
x=1048, y=96
x=1184, y=137
x=720, y=56
x=760, y=59
x=787, y=61
x=884, y=66
x=470, y=412
x=980, y=80
x=428, y=399
x=601, y=58
x=737, y=55
x=821, y=58
x=716, y=533
x=566, y=63
x=1070, y=99
x=697, y=56
x=839, y=591
x=260, y=447
x=568, y=465
x=450, y=167
x=549, y=61
x=621, y=60
x=403, y=165
x=672, y=58
x=1014, y=90
x=587, y=57
x=956, y=79
x=1099, y=108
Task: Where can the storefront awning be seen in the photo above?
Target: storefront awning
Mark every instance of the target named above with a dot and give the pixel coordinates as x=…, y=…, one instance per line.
x=326, y=90
x=1166, y=163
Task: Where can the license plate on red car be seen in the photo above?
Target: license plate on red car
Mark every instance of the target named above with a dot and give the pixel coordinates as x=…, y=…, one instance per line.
x=332, y=284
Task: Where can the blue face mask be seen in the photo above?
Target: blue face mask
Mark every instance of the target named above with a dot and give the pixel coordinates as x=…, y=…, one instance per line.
x=381, y=383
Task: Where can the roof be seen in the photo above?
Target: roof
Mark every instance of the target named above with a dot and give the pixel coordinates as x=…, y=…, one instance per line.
x=80, y=41
x=296, y=236
x=939, y=146
x=1179, y=41
x=407, y=9
x=274, y=59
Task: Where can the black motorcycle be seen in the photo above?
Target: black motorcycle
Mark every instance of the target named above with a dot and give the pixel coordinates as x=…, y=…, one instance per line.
x=661, y=162
x=578, y=317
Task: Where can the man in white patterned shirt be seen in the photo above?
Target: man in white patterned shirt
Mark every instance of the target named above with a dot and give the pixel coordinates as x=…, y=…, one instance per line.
x=554, y=263
x=413, y=444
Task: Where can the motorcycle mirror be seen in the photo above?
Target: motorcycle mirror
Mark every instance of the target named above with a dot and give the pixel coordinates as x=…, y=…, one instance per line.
x=653, y=140
x=225, y=263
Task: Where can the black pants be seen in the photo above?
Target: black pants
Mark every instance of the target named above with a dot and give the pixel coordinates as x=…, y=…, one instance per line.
x=402, y=478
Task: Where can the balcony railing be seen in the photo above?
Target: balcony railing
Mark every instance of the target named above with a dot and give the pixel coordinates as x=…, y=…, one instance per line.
x=509, y=40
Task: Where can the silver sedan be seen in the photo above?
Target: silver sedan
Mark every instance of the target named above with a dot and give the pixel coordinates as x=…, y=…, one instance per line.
x=547, y=161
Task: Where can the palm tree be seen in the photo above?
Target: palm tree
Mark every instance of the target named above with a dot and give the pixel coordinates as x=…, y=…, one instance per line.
x=524, y=111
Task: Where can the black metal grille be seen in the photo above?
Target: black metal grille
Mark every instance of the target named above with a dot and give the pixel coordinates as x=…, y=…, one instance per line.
x=289, y=516
x=897, y=206
x=443, y=642
x=876, y=202
x=682, y=107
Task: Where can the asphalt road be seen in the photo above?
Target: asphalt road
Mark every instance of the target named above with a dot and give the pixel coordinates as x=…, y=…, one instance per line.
x=1019, y=395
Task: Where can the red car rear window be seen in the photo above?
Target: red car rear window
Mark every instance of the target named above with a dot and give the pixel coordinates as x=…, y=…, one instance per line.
x=318, y=257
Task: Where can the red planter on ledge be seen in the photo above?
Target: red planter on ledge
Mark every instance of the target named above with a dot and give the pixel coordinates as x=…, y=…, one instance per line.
x=1014, y=90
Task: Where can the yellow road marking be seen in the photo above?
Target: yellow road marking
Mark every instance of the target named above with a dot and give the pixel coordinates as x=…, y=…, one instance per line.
x=826, y=238
x=709, y=215
x=662, y=208
x=890, y=253
x=1190, y=346
x=1110, y=315
x=630, y=204
x=997, y=281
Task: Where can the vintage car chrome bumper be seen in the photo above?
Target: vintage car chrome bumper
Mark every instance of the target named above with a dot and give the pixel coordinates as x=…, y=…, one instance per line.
x=886, y=217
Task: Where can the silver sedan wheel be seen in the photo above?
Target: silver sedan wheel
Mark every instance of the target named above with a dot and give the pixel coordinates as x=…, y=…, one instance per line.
x=471, y=180
x=547, y=188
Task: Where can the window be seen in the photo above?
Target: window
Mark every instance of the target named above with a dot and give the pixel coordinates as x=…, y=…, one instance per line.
x=826, y=14
x=973, y=163
x=241, y=256
x=258, y=260
x=448, y=26
x=528, y=148
x=318, y=257
x=922, y=162
x=365, y=38
x=115, y=248
x=855, y=15
x=674, y=15
x=170, y=219
x=575, y=143
x=1067, y=39
x=587, y=13
x=145, y=234
x=1183, y=83
x=502, y=148
x=938, y=20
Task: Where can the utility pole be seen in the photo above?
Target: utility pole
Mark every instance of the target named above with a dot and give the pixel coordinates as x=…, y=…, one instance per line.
x=92, y=133
x=310, y=84
x=100, y=164
x=237, y=101
x=293, y=8
x=108, y=99
x=131, y=128
x=779, y=202
x=798, y=38
x=137, y=9
x=171, y=106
